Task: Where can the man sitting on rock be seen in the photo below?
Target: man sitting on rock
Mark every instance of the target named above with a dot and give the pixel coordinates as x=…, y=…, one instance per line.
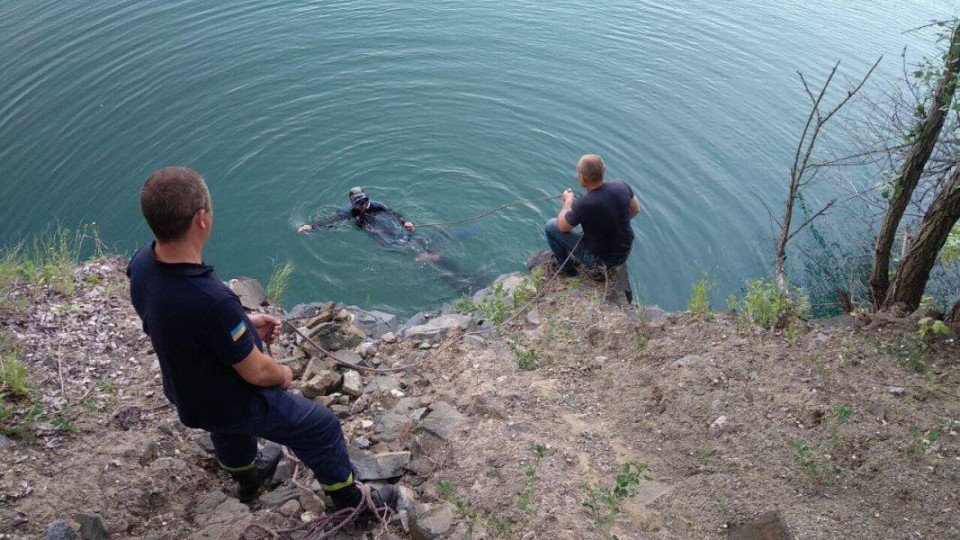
x=604, y=213
x=211, y=353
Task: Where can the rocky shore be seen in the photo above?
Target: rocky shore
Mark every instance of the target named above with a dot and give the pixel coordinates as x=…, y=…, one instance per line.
x=840, y=428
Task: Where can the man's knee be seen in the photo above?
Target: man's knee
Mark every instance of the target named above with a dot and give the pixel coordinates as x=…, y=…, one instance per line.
x=551, y=228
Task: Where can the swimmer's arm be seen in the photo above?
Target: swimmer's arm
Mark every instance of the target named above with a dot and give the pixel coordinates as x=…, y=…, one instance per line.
x=408, y=225
x=634, y=207
x=327, y=222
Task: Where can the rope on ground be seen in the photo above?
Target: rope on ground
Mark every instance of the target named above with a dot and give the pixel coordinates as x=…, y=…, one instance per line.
x=327, y=526
x=485, y=214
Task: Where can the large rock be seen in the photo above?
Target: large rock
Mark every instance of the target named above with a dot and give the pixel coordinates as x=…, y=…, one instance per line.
x=352, y=384
x=91, y=527
x=251, y=293
x=430, y=521
x=507, y=284
x=538, y=259
x=653, y=314
x=383, y=466
x=377, y=323
x=443, y=420
x=334, y=336
x=769, y=526
x=60, y=530
x=321, y=384
x=438, y=327
x=302, y=311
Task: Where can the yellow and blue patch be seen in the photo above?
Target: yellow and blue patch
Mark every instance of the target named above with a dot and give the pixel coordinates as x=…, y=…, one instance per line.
x=238, y=332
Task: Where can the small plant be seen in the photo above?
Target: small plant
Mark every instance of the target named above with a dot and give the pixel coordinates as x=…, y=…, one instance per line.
x=525, y=498
x=951, y=249
x=604, y=503
x=641, y=340
x=448, y=491
x=920, y=441
x=765, y=304
x=526, y=360
x=820, y=366
x=928, y=328
x=793, y=332
x=279, y=281
x=840, y=415
x=13, y=378
x=703, y=290
x=814, y=464
x=465, y=305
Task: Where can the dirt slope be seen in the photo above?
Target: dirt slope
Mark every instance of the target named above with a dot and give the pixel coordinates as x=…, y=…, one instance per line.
x=729, y=422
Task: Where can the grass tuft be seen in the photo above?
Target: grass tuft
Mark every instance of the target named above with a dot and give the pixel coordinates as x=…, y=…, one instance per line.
x=279, y=281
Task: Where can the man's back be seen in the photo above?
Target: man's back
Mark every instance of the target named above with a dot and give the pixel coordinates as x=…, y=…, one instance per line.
x=605, y=216
x=199, y=331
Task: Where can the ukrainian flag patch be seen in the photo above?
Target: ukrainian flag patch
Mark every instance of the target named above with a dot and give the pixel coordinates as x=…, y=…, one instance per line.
x=238, y=332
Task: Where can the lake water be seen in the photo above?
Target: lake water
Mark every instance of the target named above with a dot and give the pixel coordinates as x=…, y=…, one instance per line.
x=440, y=109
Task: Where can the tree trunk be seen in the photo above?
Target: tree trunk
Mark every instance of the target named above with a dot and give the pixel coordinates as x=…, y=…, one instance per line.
x=914, y=270
x=953, y=318
x=910, y=173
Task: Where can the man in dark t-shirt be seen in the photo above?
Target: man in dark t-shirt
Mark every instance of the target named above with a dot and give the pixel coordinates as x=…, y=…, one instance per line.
x=211, y=354
x=604, y=213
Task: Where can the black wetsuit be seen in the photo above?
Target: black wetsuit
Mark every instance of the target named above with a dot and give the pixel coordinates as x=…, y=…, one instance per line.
x=383, y=224
x=386, y=227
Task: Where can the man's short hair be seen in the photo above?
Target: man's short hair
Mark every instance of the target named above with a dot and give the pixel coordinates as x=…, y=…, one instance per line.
x=169, y=200
x=592, y=168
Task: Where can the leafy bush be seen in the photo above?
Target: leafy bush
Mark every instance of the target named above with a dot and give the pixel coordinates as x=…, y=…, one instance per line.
x=764, y=304
x=951, y=250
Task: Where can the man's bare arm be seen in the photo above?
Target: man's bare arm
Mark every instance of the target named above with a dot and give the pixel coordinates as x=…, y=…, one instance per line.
x=562, y=216
x=259, y=369
x=634, y=207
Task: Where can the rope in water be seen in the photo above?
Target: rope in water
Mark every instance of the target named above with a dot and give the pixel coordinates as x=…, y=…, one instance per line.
x=485, y=214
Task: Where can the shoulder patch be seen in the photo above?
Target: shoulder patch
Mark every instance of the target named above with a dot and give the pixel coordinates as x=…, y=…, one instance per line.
x=238, y=332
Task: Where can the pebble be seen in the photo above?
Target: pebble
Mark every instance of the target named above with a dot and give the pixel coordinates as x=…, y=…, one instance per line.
x=389, y=337
x=397, y=393
x=898, y=390
x=290, y=508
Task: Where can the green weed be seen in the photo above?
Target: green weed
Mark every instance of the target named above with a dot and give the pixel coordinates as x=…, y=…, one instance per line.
x=928, y=328
x=921, y=440
x=14, y=385
x=815, y=464
x=641, y=340
x=820, y=366
x=525, y=498
x=703, y=291
x=604, y=502
x=765, y=305
x=279, y=281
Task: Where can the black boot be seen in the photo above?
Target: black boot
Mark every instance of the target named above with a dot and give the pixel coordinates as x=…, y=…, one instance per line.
x=351, y=497
x=263, y=468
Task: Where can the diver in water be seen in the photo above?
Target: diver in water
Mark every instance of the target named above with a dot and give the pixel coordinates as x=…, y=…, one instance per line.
x=390, y=229
x=386, y=226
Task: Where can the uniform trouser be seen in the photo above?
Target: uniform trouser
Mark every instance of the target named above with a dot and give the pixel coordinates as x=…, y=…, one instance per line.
x=312, y=432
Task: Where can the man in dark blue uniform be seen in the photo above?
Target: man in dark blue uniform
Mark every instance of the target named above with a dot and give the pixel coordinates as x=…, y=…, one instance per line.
x=211, y=353
x=604, y=214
